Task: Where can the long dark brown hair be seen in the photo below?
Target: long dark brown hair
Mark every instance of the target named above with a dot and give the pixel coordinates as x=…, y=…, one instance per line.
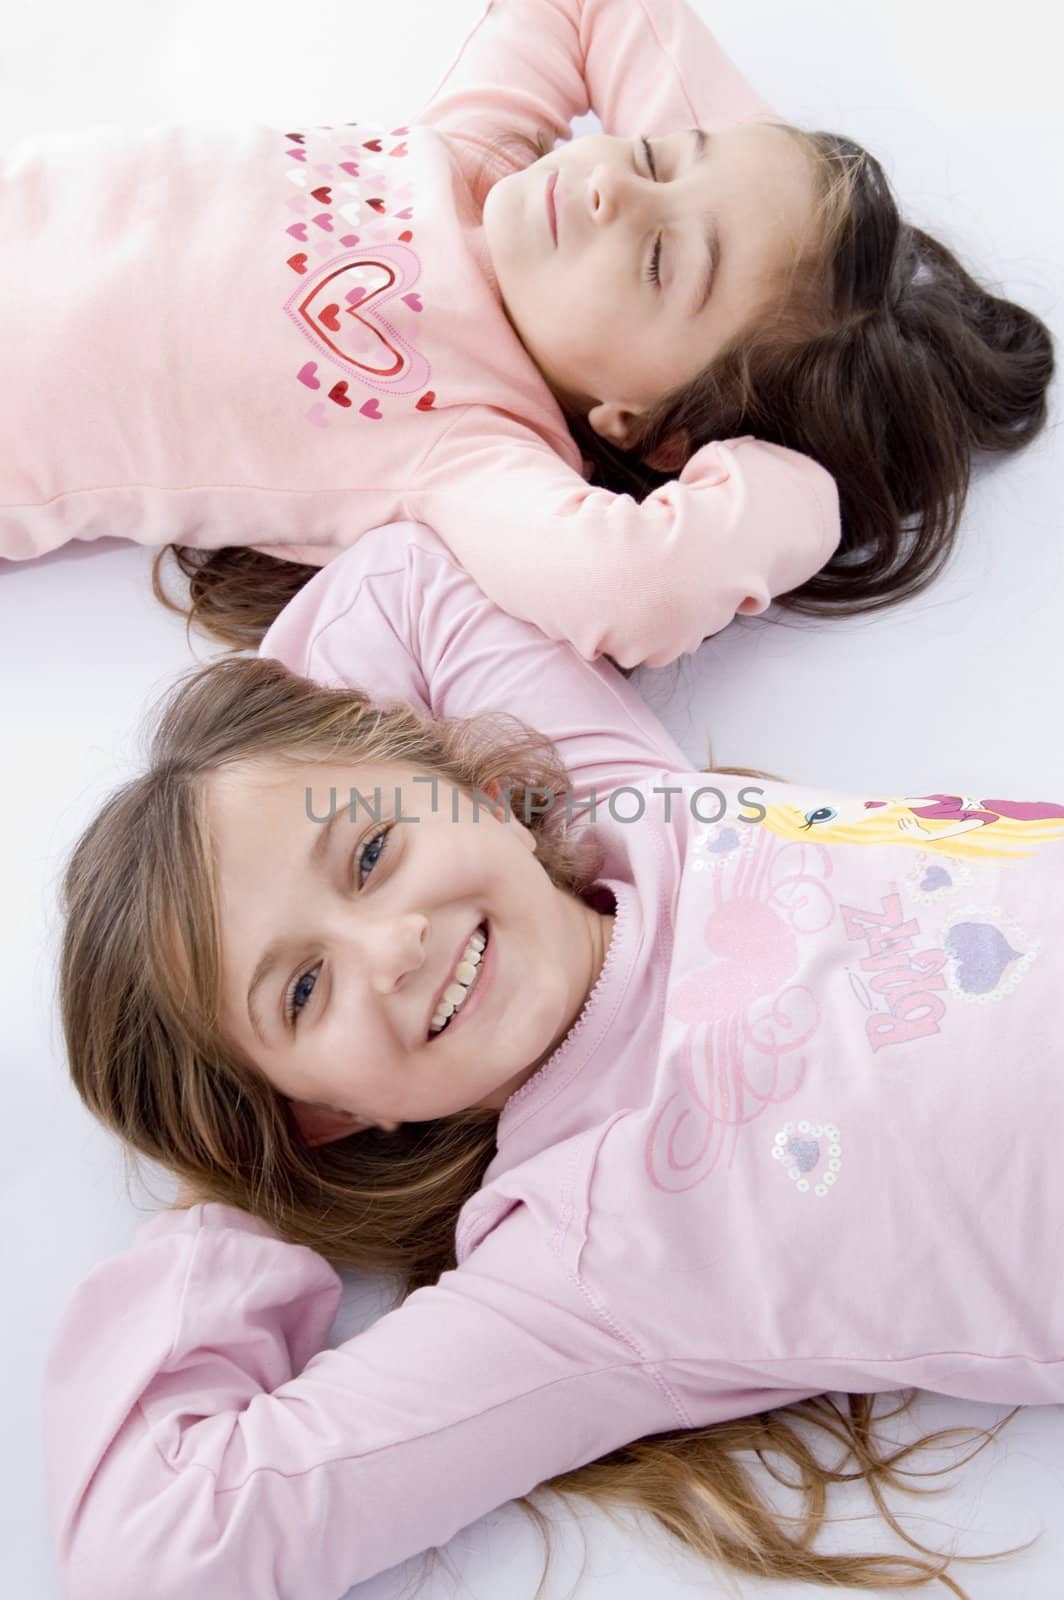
x=139, y=998
x=876, y=353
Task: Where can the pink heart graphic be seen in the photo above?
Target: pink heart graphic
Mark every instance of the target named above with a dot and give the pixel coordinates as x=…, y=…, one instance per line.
x=316, y=414
x=349, y=239
x=371, y=409
x=358, y=335
x=731, y=984
x=298, y=155
x=413, y=301
x=306, y=375
x=398, y=132
x=298, y=230
x=350, y=167
x=406, y=215
x=324, y=221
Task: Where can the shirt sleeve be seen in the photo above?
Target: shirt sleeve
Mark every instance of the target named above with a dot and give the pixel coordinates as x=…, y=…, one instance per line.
x=643, y=66
x=200, y=1441
x=399, y=617
x=641, y=581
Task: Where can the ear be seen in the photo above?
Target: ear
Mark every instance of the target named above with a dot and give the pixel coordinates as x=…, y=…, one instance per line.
x=323, y=1125
x=616, y=421
x=504, y=812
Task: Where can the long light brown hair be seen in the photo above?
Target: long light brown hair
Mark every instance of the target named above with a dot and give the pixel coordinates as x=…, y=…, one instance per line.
x=875, y=352
x=139, y=989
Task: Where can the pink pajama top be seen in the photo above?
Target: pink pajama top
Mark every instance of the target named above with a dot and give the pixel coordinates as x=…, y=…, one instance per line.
x=802, y=1137
x=283, y=337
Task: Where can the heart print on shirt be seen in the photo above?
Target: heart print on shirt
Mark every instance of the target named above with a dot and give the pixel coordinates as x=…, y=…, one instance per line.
x=355, y=300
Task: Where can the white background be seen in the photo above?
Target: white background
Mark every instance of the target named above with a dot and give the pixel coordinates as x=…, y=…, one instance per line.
x=960, y=688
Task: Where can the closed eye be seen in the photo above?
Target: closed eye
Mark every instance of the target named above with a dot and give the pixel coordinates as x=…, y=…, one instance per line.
x=653, y=272
x=710, y=234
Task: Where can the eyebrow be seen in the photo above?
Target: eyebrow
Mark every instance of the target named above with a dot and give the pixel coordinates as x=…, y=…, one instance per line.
x=712, y=238
x=271, y=956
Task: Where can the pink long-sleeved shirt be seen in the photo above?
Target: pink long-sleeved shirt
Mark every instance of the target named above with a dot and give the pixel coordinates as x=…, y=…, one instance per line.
x=802, y=1137
x=283, y=338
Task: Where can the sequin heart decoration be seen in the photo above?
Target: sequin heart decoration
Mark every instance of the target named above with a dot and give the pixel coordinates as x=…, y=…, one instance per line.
x=351, y=328
x=715, y=846
x=936, y=877
x=725, y=841
x=988, y=955
x=805, y=1153
x=810, y=1154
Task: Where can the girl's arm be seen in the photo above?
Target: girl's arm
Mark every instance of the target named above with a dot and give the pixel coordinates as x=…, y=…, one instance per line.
x=643, y=582
x=201, y=1441
x=643, y=66
x=397, y=616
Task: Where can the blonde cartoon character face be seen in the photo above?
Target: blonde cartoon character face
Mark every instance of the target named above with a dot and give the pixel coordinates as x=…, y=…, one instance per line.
x=832, y=817
x=957, y=823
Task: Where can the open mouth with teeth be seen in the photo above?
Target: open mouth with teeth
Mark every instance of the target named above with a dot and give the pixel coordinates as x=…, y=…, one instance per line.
x=462, y=981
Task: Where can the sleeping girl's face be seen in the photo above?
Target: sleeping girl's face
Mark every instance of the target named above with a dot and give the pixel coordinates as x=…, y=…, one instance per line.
x=735, y=204
x=367, y=932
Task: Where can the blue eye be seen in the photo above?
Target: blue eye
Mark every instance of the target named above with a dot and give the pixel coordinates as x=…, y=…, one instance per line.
x=821, y=814
x=378, y=838
x=292, y=1012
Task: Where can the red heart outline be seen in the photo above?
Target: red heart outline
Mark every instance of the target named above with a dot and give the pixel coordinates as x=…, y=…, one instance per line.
x=318, y=308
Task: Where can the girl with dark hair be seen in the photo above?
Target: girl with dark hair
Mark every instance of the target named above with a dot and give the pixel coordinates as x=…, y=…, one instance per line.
x=675, y=1101
x=639, y=382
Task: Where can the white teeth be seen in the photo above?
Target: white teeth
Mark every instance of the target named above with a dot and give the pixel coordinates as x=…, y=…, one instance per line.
x=465, y=972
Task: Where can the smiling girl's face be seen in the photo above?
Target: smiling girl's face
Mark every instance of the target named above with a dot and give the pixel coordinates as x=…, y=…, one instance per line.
x=659, y=251
x=369, y=918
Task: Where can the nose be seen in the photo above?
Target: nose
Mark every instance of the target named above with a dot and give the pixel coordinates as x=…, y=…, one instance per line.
x=383, y=952
x=614, y=190
x=397, y=950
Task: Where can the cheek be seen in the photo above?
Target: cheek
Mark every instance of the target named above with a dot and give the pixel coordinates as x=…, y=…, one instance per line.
x=573, y=326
